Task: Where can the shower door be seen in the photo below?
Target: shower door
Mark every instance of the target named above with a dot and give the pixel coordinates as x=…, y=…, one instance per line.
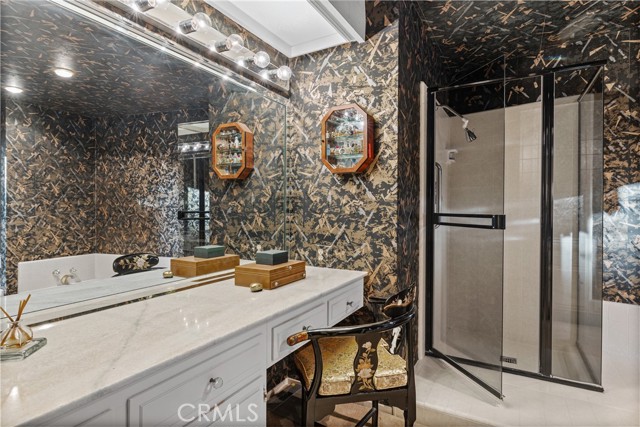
x=468, y=231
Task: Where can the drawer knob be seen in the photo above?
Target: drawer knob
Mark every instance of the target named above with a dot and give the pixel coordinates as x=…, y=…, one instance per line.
x=216, y=382
x=290, y=267
x=350, y=303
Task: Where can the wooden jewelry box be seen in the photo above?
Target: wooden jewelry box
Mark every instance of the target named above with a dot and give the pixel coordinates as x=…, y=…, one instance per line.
x=191, y=266
x=270, y=276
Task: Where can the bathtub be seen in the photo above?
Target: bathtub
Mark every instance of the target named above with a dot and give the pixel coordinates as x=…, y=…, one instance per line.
x=38, y=274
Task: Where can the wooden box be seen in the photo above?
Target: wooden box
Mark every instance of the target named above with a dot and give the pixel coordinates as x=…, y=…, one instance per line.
x=210, y=251
x=270, y=276
x=191, y=266
x=273, y=257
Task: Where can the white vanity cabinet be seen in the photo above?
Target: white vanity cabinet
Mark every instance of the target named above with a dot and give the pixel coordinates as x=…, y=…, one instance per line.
x=221, y=381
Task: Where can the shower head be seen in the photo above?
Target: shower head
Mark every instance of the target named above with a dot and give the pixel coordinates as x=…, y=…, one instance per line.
x=469, y=135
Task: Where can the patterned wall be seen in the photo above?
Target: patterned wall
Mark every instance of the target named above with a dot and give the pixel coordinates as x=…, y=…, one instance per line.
x=3, y=203
x=544, y=35
x=248, y=215
x=139, y=182
x=346, y=221
x=107, y=82
x=50, y=207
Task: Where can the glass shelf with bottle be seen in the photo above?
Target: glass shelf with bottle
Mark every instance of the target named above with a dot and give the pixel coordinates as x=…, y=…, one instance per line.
x=347, y=139
x=232, y=151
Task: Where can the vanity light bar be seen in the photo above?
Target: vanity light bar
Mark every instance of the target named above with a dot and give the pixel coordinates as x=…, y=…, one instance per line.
x=87, y=11
x=233, y=43
x=193, y=147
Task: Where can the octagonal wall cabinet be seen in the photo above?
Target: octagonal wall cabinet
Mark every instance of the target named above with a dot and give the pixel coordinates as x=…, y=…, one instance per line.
x=232, y=151
x=347, y=139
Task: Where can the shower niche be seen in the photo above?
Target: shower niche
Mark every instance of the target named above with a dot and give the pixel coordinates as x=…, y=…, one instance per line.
x=347, y=139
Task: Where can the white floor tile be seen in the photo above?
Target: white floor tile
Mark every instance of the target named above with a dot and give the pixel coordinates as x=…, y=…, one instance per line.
x=531, y=402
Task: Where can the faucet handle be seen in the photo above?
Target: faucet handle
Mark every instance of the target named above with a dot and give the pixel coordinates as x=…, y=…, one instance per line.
x=55, y=273
x=73, y=270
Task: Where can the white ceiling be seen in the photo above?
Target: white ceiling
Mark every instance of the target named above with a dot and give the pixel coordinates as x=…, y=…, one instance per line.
x=297, y=27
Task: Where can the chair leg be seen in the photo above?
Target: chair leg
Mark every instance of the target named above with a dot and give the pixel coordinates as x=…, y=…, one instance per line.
x=376, y=416
x=410, y=414
x=308, y=410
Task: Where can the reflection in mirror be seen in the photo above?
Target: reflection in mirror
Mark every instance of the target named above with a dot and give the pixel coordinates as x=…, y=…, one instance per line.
x=106, y=152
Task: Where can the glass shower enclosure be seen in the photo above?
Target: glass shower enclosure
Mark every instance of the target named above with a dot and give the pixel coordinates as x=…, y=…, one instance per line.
x=516, y=227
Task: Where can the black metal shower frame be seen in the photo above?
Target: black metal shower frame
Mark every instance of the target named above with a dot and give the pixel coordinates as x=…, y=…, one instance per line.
x=546, y=234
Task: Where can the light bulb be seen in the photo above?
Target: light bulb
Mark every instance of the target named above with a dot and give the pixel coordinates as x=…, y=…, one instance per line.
x=143, y=5
x=63, y=72
x=197, y=22
x=201, y=20
x=242, y=62
x=284, y=72
x=261, y=59
x=13, y=89
x=233, y=43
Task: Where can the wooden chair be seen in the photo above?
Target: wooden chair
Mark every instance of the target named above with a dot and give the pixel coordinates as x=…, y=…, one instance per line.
x=371, y=362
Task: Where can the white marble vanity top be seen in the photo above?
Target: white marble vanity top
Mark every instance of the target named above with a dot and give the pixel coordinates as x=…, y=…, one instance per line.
x=91, y=355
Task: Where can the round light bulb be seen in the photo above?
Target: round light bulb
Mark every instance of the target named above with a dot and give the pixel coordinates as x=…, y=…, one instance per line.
x=63, y=72
x=284, y=72
x=200, y=20
x=13, y=89
x=143, y=5
x=261, y=59
x=234, y=42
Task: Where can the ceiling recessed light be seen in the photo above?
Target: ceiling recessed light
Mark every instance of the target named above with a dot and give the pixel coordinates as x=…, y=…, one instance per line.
x=63, y=72
x=13, y=89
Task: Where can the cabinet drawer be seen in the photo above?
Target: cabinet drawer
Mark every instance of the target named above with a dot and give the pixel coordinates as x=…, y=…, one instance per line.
x=245, y=406
x=208, y=383
x=315, y=316
x=345, y=303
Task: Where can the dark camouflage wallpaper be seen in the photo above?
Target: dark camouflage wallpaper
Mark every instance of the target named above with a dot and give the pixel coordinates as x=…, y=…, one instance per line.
x=139, y=182
x=248, y=215
x=113, y=73
x=50, y=193
x=346, y=221
x=471, y=38
x=3, y=205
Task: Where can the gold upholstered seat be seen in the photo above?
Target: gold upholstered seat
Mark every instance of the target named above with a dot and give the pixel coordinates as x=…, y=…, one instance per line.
x=338, y=374
x=355, y=363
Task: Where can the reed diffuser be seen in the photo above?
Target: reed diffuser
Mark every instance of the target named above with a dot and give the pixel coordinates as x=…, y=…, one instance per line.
x=16, y=336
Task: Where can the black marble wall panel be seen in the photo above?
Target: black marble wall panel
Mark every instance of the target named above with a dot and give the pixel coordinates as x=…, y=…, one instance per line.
x=248, y=215
x=50, y=197
x=139, y=182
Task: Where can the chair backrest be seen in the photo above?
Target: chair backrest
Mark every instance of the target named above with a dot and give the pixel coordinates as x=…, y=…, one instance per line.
x=400, y=310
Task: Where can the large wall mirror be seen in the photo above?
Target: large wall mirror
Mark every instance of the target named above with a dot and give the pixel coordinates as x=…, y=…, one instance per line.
x=106, y=151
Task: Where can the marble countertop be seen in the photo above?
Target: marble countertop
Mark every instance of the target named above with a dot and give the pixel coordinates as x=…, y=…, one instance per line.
x=59, y=301
x=94, y=354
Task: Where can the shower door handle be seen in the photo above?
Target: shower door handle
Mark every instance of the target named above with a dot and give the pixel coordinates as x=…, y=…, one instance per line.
x=495, y=222
x=437, y=196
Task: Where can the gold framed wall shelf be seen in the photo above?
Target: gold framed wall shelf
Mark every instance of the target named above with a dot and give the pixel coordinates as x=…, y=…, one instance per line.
x=232, y=151
x=347, y=139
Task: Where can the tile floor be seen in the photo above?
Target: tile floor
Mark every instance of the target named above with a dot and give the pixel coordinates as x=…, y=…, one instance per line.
x=344, y=416
x=447, y=398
